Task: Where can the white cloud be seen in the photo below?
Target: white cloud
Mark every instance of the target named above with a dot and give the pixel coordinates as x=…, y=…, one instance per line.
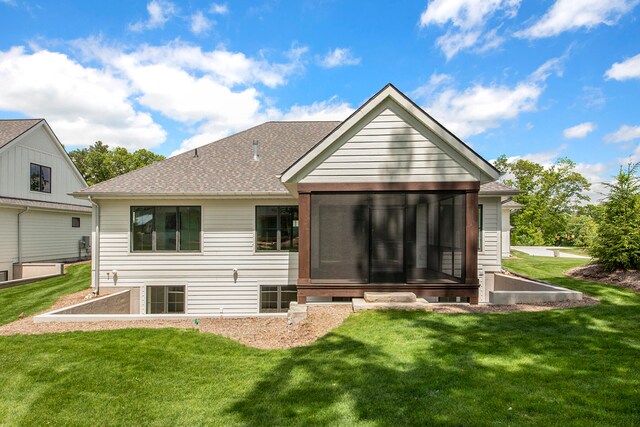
x=160, y=11
x=200, y=24
x=219, y=9
x=596, y=174
x=466, y=20
x=9, y=2
x=82, y=104
x=544, y=158
x=478, y=108
x=624, y=133
x=339, y=57
x=567, y=15
x=629, y=69
x=579, y=131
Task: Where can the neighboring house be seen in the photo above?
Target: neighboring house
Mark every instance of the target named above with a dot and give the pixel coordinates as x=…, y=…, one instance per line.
x=386, y=200
x=39, y=220
x=508, y=206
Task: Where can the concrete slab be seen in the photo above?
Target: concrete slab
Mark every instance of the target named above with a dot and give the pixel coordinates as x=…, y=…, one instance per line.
x=400, y=297
x=359, y=304
x=297, y=313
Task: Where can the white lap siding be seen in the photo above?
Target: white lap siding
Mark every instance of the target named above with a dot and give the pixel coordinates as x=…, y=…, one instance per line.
x=8, y=239
x=490, y=254
x=228, y=242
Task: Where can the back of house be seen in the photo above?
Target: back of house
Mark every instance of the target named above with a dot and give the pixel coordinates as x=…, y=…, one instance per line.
x=388, y=200
x=39, y=220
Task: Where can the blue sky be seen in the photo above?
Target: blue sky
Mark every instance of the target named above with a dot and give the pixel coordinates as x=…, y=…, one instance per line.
x=532, y=79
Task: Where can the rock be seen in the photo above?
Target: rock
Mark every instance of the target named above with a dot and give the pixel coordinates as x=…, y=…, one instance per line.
x=297, y=313
x=403, y=297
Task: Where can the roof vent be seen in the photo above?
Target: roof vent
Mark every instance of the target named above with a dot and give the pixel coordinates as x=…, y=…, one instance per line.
x=256, y=157
x=195, y=153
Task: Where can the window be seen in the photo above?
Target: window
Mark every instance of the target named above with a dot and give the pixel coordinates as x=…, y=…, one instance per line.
x=277, y=228
x=480, y=226
x=276, y=298
x=40, y=178
x=75, y=222
x=165, y=228
x=165, y=299
x=4, y=276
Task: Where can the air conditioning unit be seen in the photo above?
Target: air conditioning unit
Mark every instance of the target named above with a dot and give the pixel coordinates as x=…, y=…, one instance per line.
x=85, y=242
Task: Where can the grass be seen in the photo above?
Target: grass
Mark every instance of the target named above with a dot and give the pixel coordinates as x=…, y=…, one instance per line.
x=38, y=296
x=562, y=367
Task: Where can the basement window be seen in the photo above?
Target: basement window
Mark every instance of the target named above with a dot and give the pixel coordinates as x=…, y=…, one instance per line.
x=276, y=298
x=165, y=299
x=75, y=222
x=4, y=276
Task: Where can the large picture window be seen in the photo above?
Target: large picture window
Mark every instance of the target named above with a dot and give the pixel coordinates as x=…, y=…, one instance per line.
x=165, y=228
x=40, y=178
x=165, y=299
x=277, y=228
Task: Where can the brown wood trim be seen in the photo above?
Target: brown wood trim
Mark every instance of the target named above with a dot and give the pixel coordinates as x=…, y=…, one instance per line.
x=471, y=259
x=304, y=238
x=390, y=186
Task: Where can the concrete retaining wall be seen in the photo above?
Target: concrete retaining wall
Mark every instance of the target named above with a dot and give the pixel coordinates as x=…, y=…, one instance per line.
x=118, y=303
x=518, y=290
x=37, y=269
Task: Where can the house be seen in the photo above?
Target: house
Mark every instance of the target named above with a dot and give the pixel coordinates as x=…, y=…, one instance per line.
x=39, y=220
x=386, y=200
x=508, y=206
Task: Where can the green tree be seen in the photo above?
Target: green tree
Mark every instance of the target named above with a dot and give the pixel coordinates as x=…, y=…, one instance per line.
x=617, y=243
x=550, y=196
x=97, y=163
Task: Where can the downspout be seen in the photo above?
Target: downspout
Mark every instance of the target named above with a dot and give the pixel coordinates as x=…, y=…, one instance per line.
x=20, y=235
x=95, y=255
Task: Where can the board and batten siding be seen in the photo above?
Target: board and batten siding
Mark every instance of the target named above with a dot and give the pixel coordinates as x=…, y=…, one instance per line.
x=390, y=149
x=36, y=146
x=228, y=242
x=490, y=254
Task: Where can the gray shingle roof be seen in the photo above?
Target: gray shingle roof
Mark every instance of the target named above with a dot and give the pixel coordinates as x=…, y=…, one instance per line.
x=11, y=129
x=498, y=189
x=37, y=204
x=227, y=165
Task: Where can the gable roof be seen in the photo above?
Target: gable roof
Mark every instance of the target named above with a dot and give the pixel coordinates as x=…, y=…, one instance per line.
x=390, y=92
x=498, y=189
x=224, y=167
x=11, y=129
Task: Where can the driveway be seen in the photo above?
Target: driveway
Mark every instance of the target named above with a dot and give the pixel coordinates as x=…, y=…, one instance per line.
x=544, y=251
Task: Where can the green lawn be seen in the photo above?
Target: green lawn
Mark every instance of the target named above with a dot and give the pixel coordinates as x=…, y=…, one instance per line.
x=565, y=367
x=38, y=296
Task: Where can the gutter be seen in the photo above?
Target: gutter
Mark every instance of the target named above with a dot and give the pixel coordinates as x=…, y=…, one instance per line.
x=95, y=255
x=20, y=235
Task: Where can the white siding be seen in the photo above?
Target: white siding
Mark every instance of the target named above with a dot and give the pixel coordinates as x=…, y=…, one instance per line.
x=37, y=147
x=489, y=255
x=228, y=243
x=8, y=239
x=48, y=235
x=506, y=233
x=390, y=149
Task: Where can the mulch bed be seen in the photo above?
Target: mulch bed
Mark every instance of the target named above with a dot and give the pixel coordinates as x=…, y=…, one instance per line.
x=629, y=279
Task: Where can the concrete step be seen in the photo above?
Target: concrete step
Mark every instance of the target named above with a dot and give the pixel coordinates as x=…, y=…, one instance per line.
x=390, y=297
x=359, y=304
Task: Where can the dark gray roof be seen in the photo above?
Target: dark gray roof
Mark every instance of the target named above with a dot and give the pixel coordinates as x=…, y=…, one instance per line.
x=498, y=189
x=511, y=204
x=37, y=204
x=11, y=129
x=227, y=165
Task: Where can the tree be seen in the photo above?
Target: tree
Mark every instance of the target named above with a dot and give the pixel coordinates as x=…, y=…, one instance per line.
x=617, y=243
x=550, y=196
x=97, y=163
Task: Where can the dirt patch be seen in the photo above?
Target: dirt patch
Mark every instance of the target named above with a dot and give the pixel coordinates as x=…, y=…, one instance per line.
x=629, y=279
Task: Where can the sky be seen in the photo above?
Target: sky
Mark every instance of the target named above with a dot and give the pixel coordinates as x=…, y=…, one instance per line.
x=529, y=79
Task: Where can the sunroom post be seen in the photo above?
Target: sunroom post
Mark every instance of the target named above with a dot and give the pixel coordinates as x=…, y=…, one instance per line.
x=471, y=257
x=304, y=242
